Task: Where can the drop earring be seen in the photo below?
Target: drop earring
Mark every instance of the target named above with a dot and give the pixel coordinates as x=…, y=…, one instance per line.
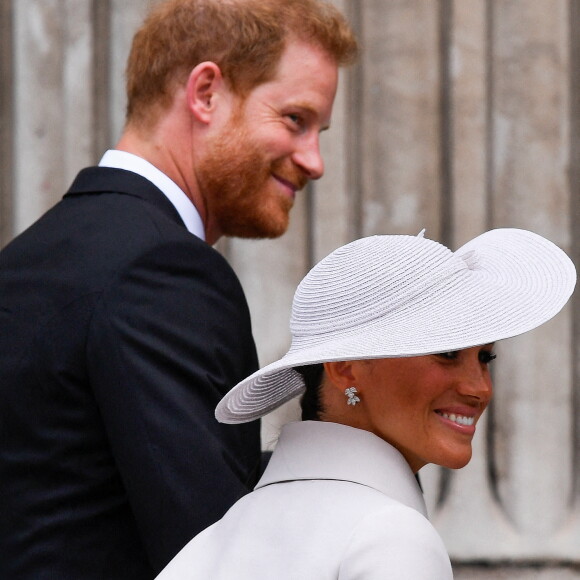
x=352, y=398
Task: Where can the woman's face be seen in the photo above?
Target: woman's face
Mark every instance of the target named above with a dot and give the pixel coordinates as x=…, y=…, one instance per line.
x=426, y=406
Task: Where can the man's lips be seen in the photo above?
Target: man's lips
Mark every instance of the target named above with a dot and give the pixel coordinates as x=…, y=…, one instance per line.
x=290, y=185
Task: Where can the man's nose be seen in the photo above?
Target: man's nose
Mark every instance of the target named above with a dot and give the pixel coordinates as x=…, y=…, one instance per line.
x=307, y=156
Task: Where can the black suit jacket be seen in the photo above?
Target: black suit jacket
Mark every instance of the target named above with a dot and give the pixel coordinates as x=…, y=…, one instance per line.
x=119, y=333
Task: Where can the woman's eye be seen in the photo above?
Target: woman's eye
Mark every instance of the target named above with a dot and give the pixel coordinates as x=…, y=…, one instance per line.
x=486, y=356
x=450, y=355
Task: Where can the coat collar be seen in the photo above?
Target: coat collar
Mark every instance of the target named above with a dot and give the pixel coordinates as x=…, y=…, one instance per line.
x=321, y=450
x=99, y=180
x=117, y=159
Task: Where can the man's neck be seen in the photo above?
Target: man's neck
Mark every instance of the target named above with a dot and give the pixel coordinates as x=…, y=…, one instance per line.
x=151, y=146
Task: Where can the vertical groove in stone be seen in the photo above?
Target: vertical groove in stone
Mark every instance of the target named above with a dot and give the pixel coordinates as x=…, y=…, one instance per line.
x=446, y=120
x=355, y=84
x=574, y=177
x=489, y=136
x=101, y=81
x=311, y=223
x=489, y=140
x=6, y=122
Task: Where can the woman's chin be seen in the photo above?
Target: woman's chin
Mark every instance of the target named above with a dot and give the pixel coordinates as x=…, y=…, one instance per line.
x=456, y=461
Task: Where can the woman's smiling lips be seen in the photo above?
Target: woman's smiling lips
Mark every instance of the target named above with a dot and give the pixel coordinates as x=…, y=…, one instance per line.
x=461, y=419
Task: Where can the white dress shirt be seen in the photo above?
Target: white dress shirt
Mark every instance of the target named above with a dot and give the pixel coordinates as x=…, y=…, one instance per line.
x=184, y=206
x=334, y=503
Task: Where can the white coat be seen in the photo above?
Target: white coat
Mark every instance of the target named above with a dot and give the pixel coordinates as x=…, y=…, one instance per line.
x=334, y=503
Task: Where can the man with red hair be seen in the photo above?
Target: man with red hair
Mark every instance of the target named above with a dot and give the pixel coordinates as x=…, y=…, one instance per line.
x=120, y=326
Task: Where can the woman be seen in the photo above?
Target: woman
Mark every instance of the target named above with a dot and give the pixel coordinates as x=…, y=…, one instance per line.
x=392, y=337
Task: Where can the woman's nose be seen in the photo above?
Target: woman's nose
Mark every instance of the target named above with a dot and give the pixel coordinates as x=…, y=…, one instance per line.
x=476, y=382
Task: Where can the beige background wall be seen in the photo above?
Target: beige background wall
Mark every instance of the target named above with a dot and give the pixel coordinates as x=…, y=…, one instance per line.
x=461, y=116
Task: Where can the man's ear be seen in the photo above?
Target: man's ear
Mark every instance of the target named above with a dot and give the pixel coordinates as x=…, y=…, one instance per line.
x=203, y=85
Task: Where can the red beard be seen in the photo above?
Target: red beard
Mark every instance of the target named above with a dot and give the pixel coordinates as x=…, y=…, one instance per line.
x=241, y=196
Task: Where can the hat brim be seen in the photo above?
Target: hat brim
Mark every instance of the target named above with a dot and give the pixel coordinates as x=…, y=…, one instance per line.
x=514, y=282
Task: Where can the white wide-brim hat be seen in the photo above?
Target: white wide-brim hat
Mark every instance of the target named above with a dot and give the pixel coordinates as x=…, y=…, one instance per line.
x=401, y=296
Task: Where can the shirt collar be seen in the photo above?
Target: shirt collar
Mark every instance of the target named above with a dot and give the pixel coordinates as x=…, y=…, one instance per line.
x=322, y=450
x=184, y=206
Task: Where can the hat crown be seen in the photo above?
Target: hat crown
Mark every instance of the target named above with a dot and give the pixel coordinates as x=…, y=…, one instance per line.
x=368, y=279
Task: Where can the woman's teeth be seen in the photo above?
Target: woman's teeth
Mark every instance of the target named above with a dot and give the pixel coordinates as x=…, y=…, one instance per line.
x=459, y=419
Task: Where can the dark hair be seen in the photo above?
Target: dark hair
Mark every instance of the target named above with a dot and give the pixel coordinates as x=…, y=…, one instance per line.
x=310, y=403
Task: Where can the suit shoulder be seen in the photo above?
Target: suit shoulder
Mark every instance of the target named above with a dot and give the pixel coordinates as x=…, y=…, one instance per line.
x=119, y=230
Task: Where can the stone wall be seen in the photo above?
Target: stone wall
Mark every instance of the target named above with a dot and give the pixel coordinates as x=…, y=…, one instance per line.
x=462, y=115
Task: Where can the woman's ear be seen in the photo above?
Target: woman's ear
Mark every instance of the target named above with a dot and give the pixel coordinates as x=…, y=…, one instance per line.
x=340, y=374
x=204, y=83
x=340, y=399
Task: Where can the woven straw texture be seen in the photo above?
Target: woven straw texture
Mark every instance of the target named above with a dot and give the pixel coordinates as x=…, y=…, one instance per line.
x=398, y=296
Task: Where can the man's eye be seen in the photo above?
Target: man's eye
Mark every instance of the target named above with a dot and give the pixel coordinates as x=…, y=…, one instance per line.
x=486, y=356
x=295, y=119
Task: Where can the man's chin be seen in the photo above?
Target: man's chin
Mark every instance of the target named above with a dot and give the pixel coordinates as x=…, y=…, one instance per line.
x=260, y=233
x=257, y=229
